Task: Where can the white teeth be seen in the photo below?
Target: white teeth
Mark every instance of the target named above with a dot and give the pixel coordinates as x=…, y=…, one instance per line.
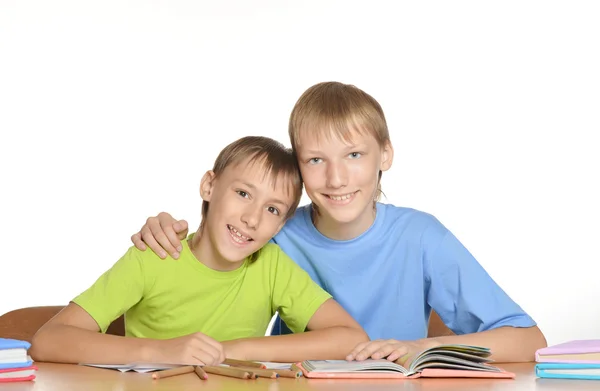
x=341, y=198
x=237, y=236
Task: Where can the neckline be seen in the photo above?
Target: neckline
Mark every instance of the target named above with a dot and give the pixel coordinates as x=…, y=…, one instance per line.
x=207, y=270
x=307, y=211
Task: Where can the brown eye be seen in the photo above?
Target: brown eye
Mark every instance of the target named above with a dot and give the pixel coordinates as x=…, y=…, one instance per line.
x=273, y=210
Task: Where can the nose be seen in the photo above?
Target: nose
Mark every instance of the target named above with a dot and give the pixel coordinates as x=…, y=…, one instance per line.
x=252, y=215
x=337, y=175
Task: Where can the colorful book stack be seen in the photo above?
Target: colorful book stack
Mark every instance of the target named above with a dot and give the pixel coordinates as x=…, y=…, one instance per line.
x=578, y=359
x=15, y=363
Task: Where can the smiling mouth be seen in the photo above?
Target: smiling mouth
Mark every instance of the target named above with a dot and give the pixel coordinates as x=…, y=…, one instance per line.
x=340, y=197
x=238, y=236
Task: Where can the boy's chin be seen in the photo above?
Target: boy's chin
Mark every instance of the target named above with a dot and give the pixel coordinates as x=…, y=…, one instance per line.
x=342, y=215
x=239, y=255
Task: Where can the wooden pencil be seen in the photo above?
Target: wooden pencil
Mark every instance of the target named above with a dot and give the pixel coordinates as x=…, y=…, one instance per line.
x=243, y=363
x=269, y=373
x=200, y=372
x=172, y=372
x=287, y=373
x=228, y=371
x=296, y=368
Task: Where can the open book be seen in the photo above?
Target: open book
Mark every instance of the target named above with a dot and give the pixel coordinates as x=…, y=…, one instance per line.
x=440, y=361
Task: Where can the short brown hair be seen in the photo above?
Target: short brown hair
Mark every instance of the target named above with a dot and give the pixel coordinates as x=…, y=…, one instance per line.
x=272, y=156
x=336, y=109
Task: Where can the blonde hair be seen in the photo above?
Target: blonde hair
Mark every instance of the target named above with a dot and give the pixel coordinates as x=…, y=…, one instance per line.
x=276, y=160
x=336, y=109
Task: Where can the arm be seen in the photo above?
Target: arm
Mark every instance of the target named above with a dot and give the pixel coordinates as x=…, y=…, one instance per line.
x=76, y=334
x=469, y=301
x=508, y=344
x=331, y=334
x=74, y=337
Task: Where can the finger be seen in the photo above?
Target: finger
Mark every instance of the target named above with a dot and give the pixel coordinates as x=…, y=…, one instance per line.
x=357, y=349
x=159, y=234
x=400, y=353
x=384, y=351
x=151, y=242
x=209, y=355
x=138, y=242
x=198, y=361
x=218, y=346
x=172, y=228
x=369, y=350
x=165, y=236
x=181, y=227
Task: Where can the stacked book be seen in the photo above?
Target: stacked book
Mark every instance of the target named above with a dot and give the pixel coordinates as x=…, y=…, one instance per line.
x=15, y=363
x=578, y=359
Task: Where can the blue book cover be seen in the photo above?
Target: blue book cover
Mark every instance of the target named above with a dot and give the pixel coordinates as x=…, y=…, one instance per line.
x=13, y=353
x=6, y=343
x=568, y=371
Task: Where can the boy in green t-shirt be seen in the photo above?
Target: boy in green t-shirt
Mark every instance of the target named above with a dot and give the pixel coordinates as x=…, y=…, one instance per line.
x=217, y=299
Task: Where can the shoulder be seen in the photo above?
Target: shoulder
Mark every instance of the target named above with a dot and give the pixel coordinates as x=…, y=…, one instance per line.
x=409, y=219
x=147, y=260
x=271, y=252
x=298, y=220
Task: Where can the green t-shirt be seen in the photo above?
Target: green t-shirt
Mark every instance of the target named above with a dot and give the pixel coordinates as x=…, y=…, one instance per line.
x=168, y=298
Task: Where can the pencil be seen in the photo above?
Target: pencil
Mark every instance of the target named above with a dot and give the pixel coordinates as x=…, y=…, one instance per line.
x=269, y=373
x=243, y=363
x=172, y=372
x=287, y=373
x=231, y=372
x=296, y=368
x=200, y=372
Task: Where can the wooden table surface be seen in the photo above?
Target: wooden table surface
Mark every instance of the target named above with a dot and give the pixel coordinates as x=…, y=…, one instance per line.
x=61, y=377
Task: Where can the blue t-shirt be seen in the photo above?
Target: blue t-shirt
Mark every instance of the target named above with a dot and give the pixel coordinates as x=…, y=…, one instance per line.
x=390, y=277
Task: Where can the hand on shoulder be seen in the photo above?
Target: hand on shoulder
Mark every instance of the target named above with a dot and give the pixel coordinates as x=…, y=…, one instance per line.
x=163, y=234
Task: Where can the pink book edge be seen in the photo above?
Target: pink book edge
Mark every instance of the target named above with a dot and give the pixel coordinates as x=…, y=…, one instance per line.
x=435, y=372
x=16, y=379
x=29, y=368
x=427, y=372
x=353, y=375
x=571, y=347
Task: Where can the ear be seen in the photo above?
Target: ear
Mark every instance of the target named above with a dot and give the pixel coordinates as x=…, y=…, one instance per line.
x=387, y=156
x=207, y=184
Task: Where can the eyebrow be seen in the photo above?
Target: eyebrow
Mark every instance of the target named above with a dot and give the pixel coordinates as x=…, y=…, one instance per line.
x=349, y=147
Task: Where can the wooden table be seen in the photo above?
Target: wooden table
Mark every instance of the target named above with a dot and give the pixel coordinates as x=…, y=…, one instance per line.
x=61, y=377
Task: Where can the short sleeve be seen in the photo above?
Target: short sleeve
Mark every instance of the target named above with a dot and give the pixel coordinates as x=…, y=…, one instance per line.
x=294, y=294
x=460, y=290
x=115, y=291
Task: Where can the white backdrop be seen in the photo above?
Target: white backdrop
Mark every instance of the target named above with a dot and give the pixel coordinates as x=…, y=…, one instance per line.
x=111, y=111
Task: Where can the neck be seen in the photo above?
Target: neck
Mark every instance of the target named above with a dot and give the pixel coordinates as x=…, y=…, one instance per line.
x=206, y=253
x=343, y=231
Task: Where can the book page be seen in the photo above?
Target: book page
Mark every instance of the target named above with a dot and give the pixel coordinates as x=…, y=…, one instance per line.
x=369, y=365
x=137, y=367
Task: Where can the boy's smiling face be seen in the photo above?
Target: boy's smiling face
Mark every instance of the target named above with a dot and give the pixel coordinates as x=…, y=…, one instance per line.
x=341, y=178
x=247, y=207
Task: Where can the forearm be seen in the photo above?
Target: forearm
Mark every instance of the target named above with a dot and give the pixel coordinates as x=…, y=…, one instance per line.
x=508, y=344
x=69, y=344
x=323, y=344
